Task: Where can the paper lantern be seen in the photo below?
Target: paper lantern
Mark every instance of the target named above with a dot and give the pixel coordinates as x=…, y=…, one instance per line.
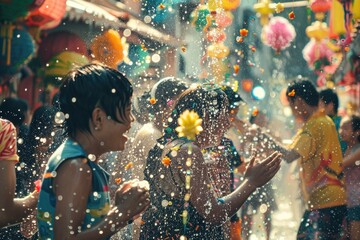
x=230, y=4
x=319, y=7
x=13, y=9
x=62, y=64
x=108, y=49
x=60, y=41
x=17, y=51
x=50, y=10
x=218, y=50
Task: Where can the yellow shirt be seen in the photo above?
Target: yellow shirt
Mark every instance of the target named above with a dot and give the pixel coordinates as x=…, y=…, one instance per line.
x=320, y=163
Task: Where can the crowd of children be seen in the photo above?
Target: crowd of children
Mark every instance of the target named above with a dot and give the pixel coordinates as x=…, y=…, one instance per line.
x=182, y=164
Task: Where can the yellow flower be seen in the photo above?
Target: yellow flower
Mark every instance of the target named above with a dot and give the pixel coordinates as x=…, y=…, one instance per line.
x=189, y=125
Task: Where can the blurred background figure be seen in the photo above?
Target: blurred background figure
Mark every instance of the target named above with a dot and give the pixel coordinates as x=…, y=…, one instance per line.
x=350, y=133
x=329, y=101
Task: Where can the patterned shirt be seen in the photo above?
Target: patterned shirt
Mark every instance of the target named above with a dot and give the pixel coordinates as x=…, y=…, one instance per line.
x=98, y=203
x=8, y=149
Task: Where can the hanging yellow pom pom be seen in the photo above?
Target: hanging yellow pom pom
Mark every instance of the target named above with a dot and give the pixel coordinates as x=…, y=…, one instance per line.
x=189, y=125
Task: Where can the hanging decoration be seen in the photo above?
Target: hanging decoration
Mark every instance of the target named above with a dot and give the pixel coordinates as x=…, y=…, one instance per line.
x=317, y=54
x=60, y=65
x=108, y=49
x=49, y=14
x=198, y=17
x=13, y=9
x=49, y=11
x=230, y=5
x=17, y=49
x=264, y=11
x=59, y=41
x=278, y=34
x=137, y=62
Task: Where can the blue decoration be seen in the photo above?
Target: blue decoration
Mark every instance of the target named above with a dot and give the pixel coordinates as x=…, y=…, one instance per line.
x=138, y=64
x=21, y=46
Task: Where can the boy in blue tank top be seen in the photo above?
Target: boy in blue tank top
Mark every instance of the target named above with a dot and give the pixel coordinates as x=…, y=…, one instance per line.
x=74, y=203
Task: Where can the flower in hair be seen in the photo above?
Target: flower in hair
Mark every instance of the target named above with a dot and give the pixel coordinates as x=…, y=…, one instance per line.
x=189, y=125
x=292, y=93
x=152, y=101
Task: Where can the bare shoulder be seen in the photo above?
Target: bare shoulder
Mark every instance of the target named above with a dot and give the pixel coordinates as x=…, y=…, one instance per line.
x=75, y=164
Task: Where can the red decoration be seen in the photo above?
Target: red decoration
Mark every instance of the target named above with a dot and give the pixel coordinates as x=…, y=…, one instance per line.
x=50, y=10
x=247, y=85
x=37, y=185
x=58, y=42
x=320, y=5
x=216, y=35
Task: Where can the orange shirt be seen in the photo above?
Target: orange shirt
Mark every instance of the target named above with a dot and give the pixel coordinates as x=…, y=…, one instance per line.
x=320, y=163
x=8, y=149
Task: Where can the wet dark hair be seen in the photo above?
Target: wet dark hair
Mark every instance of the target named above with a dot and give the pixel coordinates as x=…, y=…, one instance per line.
x=42, y=122
x=202, y=101
x=14, y=110
x=232, y=96
x=91, y=86
x=165, y=90
x=141, y=108
x=329, y=96
x=355, y=124
x=305, y=90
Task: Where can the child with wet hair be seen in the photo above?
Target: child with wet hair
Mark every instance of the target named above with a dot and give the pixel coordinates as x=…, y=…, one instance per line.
x=183, y=205
x=161, y=101
x=74, y=202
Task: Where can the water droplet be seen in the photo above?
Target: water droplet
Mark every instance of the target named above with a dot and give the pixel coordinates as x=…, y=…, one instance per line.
x=92, y=157
x=59, y=117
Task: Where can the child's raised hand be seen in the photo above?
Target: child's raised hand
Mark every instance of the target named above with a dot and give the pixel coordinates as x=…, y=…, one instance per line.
x=132, y=198
x=260, y=172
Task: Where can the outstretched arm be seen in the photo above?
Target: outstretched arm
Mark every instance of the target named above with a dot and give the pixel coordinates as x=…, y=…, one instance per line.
x=202, y=197
x=13, y=209
x=251, y=131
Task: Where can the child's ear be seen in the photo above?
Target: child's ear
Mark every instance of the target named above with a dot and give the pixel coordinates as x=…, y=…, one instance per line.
x=97, y=118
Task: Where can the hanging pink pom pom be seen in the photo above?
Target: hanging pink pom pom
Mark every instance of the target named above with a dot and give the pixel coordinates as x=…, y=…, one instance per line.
x=278, y=34
x=317, y=54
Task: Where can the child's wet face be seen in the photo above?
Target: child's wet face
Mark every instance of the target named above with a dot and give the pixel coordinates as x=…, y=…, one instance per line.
x=116, y=132
x=346, y=130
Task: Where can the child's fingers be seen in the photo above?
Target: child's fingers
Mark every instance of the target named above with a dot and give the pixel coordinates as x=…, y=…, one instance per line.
x=252, y=162
x=271, y=158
